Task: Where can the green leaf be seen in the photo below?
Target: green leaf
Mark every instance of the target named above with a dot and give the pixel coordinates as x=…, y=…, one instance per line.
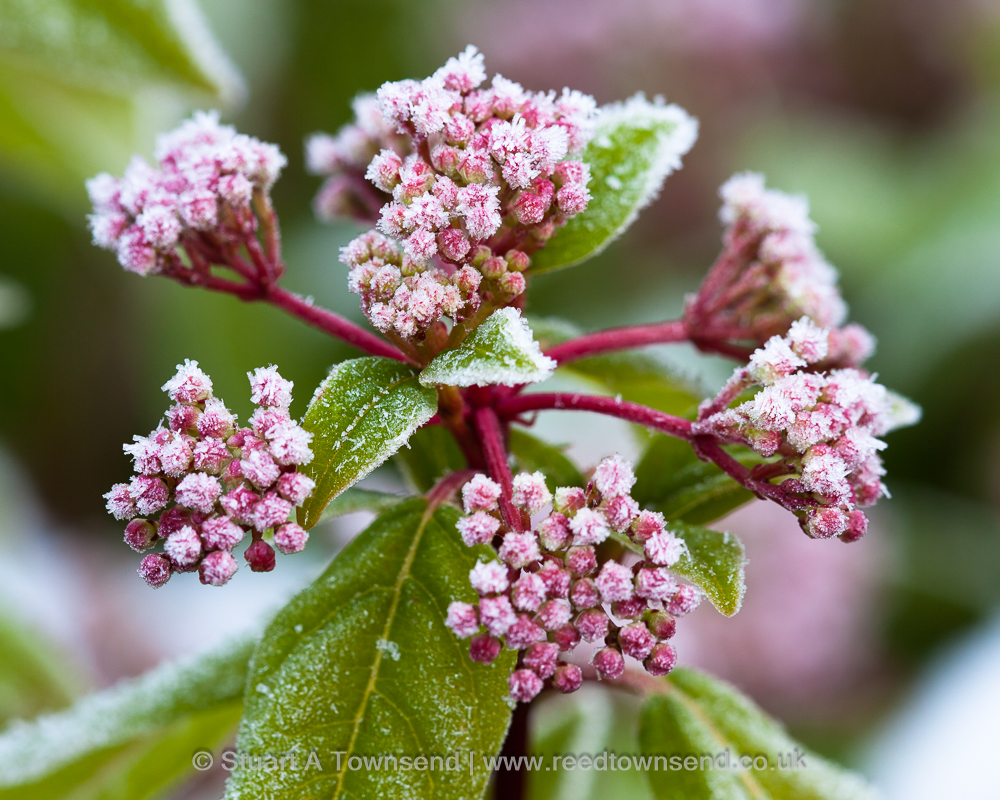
x=131, y=741
x=431, y=453
x=361, y=662
x=637, y=144
x=699, y=716
x=33, y=677
x=591, y=721
x=532, y=454
x=500, y=351
x=671, y=479
x=361, y=414
x=355, y=499
x=715, y=562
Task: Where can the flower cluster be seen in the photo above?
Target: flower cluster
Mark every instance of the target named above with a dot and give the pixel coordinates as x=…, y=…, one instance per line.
x=486, y=178
x=823, y=427
x=202, y=482
x=551, y=587
x=205, y=182
x=771, y=273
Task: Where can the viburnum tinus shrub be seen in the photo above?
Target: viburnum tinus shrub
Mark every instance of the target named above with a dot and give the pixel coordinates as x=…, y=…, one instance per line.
x=510, y=572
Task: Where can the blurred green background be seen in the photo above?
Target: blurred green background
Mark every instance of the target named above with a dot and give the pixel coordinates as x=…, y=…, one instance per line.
x=885, y=112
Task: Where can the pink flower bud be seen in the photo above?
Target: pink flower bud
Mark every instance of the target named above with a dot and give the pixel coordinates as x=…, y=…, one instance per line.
x=589, y=527
x=572, y=199
x=825, y=522
x=529, y=208
x=554, y=614
x=120, y=503
x=454, y=245
x=484, y=649
x=140, y=534
x=216, y=420
x=554, y=532
x=512, y=283
x=480, y=493
x=662, y=624
x=497, y=614
x=135, y=254
x=619, y=512
x=149, y=494
x=175, y=457
x=524, y=632
x=260, y=556
x=489, y=577
x=259, y=468
x=592, y=624
x=269, y=389
x=614, y=582
x=567, y=678
x=184, y=548
x=199, y=209
x=211, y=455
x=478, y=528
x=221, y=533
x=664, y=549
x=291, y=538
x=493, y=268
x=633, y=608
x=235, y=189
x=614, y=477
x=462, y=619
x=289, y=443
x=541, y=658
x=569, y=499
x=528, y=592
x=655, y=584
x=685, y=600
x=555, y=578
x=155, y=570
x=217, y=568
x=199, y=492
x=567, y=637
x=295, y=487
x=608, y=663
x=581, y=561
x=583, y=593
x=189, y=385
x=183, y=418
x=524, y=685
x=383, y=170
x=636, y=641
x=519, y=549
x=530, y=492
x=272, y=510
x=662, y=659
x=517, y=261
x=239, y=505
x=857, y=526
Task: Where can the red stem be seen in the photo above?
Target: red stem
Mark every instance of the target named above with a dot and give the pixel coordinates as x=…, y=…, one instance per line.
x=495, y=452
x=619, y=339
x=612, y=407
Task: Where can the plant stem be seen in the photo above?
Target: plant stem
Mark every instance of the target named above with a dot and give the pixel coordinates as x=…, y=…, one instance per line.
x=619, y=339
x=495, y=452
x=610, y=406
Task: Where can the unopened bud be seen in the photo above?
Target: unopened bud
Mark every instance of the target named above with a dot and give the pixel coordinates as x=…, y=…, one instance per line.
x=260, y=556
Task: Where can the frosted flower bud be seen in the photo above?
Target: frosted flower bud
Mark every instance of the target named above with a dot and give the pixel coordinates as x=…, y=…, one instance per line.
x=857, y=526
x=383, y=170
x=662, y=624
x=263, y=420
x=530, y=492
x=581, y=560
x=589, y=527
x=189, y=385
x=239, y=504
x=260, y=469
x=291, y=538
x=183, y=418
x=462, y=619
x=140, y=534
x=184, y=548
x=554, y=532
x=647, y=524
x=568, y=678
x=655, y=584
x=160, y=227
x=541, y=658
x=493, y=268
x=148, y=494
x=824, y=472
x=608, y=663
x=489, y=577
x=216, y=421
x=569, y=499
x=120, y=503
x=808, y=342
x=524, y=685
x=260, y=556
x=773, y=361
x=662, y=659
x=684, y=601
x=825, y=522
x=135, y=254
x=175, y=457
x=529, y=209
x=480, y=494
x=289, y=444
x=217, y=568
x=199, y=209
x=636, y=641
x=519, y=549
x=566, y=638
x=269, y=389
x=633, y=608
x=106, y=229
x=480, y=208
x=295, y=487
x=477, y=528
x=572, y=199
x=555, y=578
x=664, y=549
x=236, y=190
x=497, y=614
x=155, y=570
x=614, y=582
x=199, y=492
x=221, y=533
x=614, y=477
x=528, y=592
x=454, y=245
x=484, y=648
x=554, y=614
x=271, y=511
x=512, y=283
x=620, y=511
x=523, y=633
x=583, y=594
x=173, y=519
x=211, y=455
x=593, y=624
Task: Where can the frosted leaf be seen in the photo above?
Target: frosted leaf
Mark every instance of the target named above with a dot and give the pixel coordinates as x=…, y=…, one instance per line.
x=501, y=351
x=637, y=144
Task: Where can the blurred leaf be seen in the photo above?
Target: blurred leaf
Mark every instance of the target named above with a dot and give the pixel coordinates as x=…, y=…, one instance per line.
x=431, y=453
x=671, y=479
x=33, y=677
x=715, y=562
x=361, y=662
x=355, y=499
x=699, y=716
x=532, y=454
x=131, y=741
x=500, y=350
x=590, y=722
x=363, y=412
x=636, y=145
